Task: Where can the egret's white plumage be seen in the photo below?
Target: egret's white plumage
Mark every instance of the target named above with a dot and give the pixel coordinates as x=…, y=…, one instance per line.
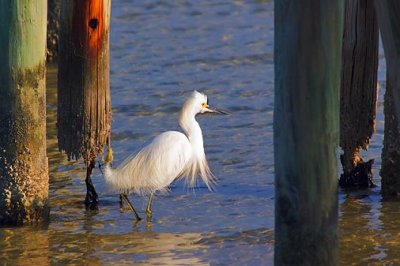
x=169, y=156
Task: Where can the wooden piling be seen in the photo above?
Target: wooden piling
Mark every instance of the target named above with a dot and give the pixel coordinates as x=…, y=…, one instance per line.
x=53, y=26
x=24, y=180
x=84, y=112
x=308, y=40
x=388, y=13
x=358, y=92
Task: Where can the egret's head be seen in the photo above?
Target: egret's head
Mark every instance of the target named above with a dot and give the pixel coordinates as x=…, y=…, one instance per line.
x=197, y=103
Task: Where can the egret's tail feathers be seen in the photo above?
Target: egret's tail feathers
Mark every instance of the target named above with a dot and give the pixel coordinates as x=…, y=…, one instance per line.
x=201, y=168
x=119, y=181
x=150, y=170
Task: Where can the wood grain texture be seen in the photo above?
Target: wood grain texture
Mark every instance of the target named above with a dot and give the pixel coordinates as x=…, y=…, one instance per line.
x=308, y=40
x=358, y=90
x=388, y=13
x=84, y=109
x=53, y=27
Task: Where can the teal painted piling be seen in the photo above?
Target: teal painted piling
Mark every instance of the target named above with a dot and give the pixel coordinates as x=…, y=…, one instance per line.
x=24, y=180
x=308, y=42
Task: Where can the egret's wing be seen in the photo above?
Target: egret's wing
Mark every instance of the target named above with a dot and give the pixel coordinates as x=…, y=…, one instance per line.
x=167, y=156
x=156, y=166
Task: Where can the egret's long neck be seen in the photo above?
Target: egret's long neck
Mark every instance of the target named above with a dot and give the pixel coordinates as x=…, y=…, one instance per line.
x=191, y=128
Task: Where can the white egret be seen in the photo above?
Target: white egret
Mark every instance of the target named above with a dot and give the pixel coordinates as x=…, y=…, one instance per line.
x=170, y=156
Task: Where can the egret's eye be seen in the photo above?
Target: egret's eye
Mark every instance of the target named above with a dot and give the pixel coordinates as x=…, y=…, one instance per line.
x=204, y=105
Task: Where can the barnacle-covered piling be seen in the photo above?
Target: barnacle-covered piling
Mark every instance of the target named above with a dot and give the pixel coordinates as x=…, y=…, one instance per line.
x=24, y=180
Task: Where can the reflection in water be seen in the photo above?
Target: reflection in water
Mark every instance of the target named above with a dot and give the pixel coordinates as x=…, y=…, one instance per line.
x=24, y=246
x=389, y=238
x=137, y=247
x=44, y=246
x=357, y=229
x=370, y=232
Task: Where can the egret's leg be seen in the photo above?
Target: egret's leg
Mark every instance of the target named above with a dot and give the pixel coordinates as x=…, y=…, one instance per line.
x=124, y=197
x=149, y=213
x=122, y=200
x=91, y=199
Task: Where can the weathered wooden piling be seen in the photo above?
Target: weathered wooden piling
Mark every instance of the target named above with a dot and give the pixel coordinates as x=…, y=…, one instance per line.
x=24, y=180
x=308, y=42
x=53, y=26
x=84, y=112
x=358, y=93
x=388, y=13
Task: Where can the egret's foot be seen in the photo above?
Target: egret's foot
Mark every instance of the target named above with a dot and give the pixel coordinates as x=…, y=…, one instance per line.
x=149, y=215
x=91, y=199
x=149, y=226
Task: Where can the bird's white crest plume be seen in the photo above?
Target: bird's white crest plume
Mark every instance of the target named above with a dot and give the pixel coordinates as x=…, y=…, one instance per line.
x=169, y=156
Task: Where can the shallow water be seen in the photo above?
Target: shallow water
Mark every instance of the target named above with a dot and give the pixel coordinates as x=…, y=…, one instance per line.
x=160, y=52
